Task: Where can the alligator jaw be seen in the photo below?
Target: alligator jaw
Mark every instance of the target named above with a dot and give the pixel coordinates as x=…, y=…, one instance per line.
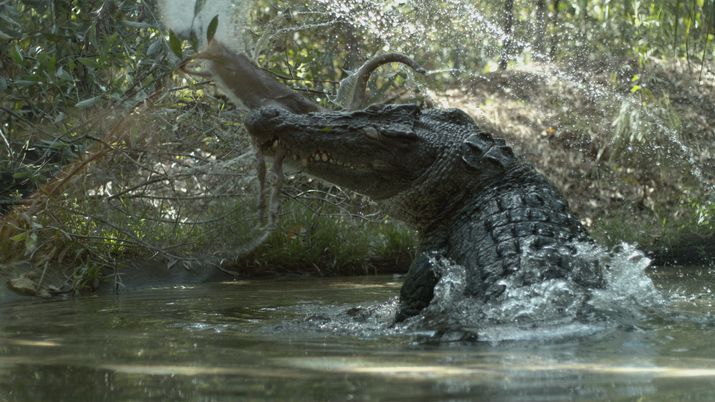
x=272, y=131
x=373, y=151
x=306, y=159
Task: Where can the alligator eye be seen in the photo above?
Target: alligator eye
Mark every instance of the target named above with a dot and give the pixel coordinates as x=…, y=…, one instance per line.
x=269, y=112
x=371, y=132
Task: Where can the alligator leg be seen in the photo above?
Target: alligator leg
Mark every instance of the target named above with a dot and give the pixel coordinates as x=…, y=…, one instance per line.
x=418, y=289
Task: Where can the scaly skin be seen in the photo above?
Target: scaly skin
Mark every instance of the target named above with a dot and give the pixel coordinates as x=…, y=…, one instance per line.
x=472, y=201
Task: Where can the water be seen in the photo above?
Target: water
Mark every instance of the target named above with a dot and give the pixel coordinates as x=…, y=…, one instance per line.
x=309, y=340
x=268, y=340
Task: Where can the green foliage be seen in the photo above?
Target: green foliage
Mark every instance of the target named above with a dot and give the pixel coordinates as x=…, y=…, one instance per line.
x=175, y=181
x=646, y=131
x=64, y=54
x=61, y=59
x=311, y=42
x=703, y=214
x=663, y=232
x=317, y=238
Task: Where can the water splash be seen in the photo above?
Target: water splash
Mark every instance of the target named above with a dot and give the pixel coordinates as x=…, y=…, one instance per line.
x=629, y=290
x=394, y=24
x=554, y=308
x=399, y=25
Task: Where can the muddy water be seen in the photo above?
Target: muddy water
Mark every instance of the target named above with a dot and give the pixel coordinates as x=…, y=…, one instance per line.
x=266, y=340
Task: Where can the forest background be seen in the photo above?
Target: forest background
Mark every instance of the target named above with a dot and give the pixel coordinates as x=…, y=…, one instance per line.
x=109, y=156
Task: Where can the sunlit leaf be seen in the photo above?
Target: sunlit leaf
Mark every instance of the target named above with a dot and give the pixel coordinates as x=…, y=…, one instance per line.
x=19, y=237
x=136, y=24
x=154, y=48
x=175, y=44
x=87, y=103
x=9, y=20
x=4, y=36
x=88, y=61
x=16, y=54
x=24, y=83
x=23, y=174
x=30, y=243
x=212, y=28
x=63, y=75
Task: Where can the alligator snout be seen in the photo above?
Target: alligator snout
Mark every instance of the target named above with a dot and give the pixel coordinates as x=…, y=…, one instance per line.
x=269, y=112
x=264, y=120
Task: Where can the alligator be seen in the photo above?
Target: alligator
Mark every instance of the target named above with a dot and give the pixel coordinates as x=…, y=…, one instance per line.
x=472, y=201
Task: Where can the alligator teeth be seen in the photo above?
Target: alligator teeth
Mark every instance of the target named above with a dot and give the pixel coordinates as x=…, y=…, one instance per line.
x=275, y=144
x=371, y=132
x=295, y=157
x=322, y=156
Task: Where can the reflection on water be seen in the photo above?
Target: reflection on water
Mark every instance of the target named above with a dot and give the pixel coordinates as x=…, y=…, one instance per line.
x=235, y=341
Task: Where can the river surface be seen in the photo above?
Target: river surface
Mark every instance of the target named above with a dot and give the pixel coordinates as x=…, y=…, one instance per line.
x=266, y=340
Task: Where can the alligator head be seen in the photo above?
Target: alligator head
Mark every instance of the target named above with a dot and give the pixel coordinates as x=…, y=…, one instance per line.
x=419, y=164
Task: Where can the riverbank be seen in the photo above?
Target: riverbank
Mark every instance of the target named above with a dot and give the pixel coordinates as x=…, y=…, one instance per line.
x=623, y=176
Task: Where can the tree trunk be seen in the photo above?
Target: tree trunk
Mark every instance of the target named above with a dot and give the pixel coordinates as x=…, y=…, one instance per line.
x=583, y=17
x=508, y=25
x=540, y=31
x=555, y=22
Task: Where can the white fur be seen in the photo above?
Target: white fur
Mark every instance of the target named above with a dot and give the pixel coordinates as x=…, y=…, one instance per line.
x=178, y=15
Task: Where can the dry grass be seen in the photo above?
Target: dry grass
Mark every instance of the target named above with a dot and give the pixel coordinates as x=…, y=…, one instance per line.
x=630, y=164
